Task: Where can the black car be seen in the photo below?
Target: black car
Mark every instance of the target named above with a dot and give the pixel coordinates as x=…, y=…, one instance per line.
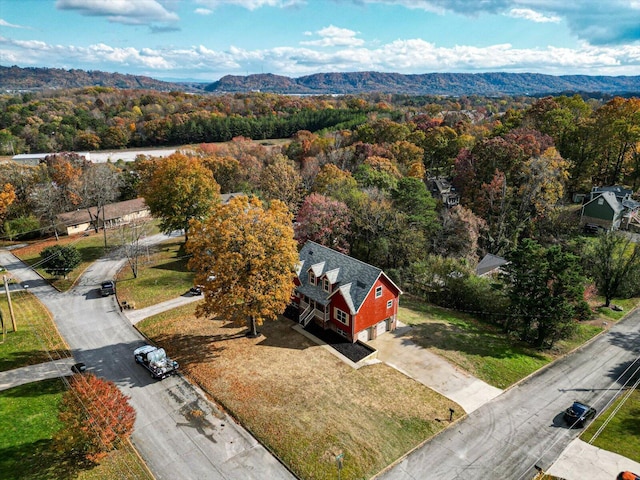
x=195, y=291
x=578, y=414
x=107, y=288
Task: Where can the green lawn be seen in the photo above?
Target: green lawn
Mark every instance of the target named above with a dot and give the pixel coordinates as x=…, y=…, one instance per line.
x=28, y=421
x=37, y=339
x=622, y=434
x=162, y=275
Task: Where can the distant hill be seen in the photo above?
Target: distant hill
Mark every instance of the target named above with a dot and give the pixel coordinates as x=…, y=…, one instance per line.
x=449, y=84
x=34, y=79
x=452, y=84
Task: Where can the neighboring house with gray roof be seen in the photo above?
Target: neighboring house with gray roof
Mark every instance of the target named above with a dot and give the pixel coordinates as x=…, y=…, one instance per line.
x=343, y=294
x=603, y=210
x=490, y=265
x=115, y=214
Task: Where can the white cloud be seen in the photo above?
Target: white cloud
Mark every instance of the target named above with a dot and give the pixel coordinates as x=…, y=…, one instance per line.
x=403, y=56
x=4, y=23
x=203, y=11
x=251, y=4
x=131, y=12
x=532, y=15
x=335, y=37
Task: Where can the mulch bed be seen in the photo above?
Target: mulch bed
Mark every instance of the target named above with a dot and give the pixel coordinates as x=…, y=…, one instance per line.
x=353, y=351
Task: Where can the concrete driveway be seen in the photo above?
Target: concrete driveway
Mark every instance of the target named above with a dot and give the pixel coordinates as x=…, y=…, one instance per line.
x=398, y=351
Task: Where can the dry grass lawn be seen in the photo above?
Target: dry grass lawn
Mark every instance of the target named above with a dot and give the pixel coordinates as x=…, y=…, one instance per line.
x=299, y=400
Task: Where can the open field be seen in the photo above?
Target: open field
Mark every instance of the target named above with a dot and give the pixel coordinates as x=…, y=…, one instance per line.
x=302, y=402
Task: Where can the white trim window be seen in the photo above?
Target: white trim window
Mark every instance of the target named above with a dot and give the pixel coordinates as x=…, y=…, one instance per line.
x=378, y=292
x=390, y=304
x=312, y=278
x=326, y=285
x=342, y=317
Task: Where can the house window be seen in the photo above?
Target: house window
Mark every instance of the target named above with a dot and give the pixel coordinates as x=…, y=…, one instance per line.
x=390, y=304
x=312, y=278
x=341, y=316
x=378, y=292
x=326, y=285
x=601, y=201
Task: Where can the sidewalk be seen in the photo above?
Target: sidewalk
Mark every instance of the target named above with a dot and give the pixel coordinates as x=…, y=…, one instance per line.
x=581, y=461
x=35, y=373
x=136, y=316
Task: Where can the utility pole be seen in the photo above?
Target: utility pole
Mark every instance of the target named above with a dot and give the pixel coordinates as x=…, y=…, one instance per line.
x=13, y=317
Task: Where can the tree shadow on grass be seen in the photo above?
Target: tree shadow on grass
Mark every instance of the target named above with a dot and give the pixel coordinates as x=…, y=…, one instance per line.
x=175, y=266
x=193, y=348
x=474, y=339
x=39, y=461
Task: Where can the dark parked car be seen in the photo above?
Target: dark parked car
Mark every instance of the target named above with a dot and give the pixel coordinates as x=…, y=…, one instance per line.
x=107, y=288
x=578, y=414
x=78, y=367
x=197, y=290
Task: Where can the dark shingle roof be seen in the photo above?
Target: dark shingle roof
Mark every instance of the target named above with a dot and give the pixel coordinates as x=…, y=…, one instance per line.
x=353, y=278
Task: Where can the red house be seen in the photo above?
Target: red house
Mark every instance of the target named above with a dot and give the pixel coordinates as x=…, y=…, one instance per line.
x=338, y=292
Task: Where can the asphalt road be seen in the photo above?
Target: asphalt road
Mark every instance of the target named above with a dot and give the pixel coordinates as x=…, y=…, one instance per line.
x=178, y=433
x=523, y=427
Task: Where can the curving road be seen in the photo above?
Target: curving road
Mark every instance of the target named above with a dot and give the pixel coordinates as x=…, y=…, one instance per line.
x=178, y=433
x=523, y=427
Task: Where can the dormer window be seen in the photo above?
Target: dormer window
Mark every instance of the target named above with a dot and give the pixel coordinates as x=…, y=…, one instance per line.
x=312, y=278
x=326, y=284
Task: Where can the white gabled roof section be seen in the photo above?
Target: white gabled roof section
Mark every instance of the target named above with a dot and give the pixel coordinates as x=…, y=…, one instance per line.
x=345, y=292
x=332, y=275
x=299, y=267
x=317, y=269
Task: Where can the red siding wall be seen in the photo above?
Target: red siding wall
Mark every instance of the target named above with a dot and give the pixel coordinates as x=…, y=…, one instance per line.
x=374, y=310
x=338, y=301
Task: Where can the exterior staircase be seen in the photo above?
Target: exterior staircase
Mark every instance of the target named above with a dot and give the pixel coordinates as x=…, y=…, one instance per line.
x=306, y=316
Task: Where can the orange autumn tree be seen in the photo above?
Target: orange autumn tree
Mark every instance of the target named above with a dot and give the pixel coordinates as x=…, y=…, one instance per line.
x=244, y=255
x=96, y=416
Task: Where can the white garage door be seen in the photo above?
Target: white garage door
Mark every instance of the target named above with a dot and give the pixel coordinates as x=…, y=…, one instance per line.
x=363, y=336
x=381, y=327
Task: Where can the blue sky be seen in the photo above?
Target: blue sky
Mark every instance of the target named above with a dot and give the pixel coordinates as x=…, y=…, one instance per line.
x=204, y=40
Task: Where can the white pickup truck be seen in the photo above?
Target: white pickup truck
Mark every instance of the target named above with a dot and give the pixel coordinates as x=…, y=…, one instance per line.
x=156, y=361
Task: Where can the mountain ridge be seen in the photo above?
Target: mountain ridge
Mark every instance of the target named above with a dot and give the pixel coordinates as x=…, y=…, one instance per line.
x=452, y=84
x=333, y=83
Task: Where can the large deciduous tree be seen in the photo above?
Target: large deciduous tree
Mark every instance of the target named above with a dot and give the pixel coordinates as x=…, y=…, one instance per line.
x=179, y=189
x=611, y=262
x=281, y=180
x=324, y=221
x=546, y=291
x=244, y=256
x=96, y=417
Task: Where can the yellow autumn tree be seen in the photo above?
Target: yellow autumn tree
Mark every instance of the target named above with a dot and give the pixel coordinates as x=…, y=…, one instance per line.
x=7, y=197
x=244, y=256
x=178, y=189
